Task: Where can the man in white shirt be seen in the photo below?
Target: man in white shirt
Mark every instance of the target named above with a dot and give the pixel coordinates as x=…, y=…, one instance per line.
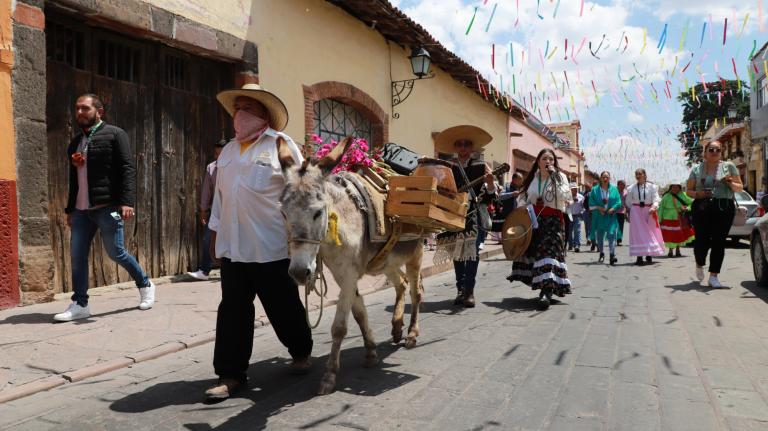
x=249, y=236
x=575, y=209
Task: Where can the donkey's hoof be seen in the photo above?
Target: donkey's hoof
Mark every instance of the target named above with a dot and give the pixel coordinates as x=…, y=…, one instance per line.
x=397, y=337
x=327, y=385
x=371, y=361
x=410, y=342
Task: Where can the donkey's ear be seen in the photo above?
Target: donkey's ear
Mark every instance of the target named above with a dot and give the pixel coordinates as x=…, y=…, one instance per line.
x=284, y=153
x=327, y=163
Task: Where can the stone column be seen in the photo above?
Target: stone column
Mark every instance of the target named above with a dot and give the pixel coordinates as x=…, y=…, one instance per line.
x=29, y=98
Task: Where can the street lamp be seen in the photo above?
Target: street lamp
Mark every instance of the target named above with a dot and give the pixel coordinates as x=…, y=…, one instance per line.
x=420, y=62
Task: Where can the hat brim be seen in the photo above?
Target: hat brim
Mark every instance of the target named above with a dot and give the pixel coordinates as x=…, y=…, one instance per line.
x=516, y=233
x=278, y=113
x=445, y=140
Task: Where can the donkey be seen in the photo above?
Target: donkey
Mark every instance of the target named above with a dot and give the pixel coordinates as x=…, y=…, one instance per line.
x=311, y=197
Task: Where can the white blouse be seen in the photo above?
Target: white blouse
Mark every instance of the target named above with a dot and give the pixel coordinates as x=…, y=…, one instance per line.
x=558, y=200
x=647, y=193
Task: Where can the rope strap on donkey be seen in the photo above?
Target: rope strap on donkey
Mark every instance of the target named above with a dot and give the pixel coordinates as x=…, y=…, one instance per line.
x=381, y=256
x=320, y=290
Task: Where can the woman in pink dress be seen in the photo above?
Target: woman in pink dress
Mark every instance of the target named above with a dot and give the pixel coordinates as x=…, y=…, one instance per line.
x=645, y=239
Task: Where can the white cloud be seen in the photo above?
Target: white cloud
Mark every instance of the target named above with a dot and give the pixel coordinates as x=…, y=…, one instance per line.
x=634, y=117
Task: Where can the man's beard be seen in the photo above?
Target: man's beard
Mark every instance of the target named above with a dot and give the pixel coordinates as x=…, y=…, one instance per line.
x=86, y=123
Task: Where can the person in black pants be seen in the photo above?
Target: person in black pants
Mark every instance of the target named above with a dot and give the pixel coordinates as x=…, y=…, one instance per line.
x=712, y=184
x=250, y=237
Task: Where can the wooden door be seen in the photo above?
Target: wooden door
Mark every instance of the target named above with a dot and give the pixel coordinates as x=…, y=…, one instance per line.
x=171, y=128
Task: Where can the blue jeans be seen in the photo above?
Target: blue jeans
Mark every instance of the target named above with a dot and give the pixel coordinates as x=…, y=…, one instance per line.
x=600, y=237
x=84, y=226
x=206, y=263
x=574, y=236
x=466, y=271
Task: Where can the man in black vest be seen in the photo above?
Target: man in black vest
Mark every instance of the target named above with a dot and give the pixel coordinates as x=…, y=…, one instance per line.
x=464, y=141
x=102, y=194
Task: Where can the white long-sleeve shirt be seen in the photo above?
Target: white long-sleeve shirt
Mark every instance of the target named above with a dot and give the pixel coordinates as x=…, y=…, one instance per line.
x=558, y=200
x=246, y=208
x=648, y=193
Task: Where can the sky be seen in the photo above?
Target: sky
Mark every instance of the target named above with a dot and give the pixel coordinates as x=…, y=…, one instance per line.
x=626, y=62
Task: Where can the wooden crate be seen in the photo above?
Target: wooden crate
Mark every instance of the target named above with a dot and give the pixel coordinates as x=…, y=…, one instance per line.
x=415, y=200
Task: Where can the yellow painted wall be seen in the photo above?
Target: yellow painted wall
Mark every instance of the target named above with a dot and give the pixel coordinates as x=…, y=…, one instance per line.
x=7, y=148
x=303, y=42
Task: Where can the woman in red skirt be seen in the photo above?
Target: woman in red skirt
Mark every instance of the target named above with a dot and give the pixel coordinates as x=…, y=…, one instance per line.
x=673, y=217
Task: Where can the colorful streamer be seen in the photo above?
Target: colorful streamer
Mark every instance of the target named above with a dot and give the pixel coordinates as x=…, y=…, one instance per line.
x=472, y=21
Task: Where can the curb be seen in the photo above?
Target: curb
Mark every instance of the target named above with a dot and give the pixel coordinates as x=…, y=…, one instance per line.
x=170, y=347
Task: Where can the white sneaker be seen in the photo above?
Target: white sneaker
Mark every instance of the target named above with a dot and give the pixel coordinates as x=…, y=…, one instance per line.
x=147, y=296
x=481, y=246
x=700, y=273
x=74, y=312
x=198, y=275
x=714, y=282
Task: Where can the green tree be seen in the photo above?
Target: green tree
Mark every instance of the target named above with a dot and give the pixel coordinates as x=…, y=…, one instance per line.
x=699, y=113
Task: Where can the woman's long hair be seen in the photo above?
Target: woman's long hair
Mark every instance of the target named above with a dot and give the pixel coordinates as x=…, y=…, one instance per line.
x=535, y=169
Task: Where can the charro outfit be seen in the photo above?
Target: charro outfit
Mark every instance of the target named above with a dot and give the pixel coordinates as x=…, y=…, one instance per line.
x=645, y=237
x=675, y=227
x=97, y=188
x=543, y=264
x=252, y=243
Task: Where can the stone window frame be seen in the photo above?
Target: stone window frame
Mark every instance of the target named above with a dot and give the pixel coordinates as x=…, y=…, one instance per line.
x=350, y=95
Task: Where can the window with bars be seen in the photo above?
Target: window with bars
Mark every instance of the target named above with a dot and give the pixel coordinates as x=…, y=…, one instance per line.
x=762, y=92
x=118, y=61
x=335, y=120
x=176, y=72
x=65, y=45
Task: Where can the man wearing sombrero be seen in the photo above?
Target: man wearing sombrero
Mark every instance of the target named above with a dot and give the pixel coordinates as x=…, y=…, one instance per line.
x=463, y=247
x=249, y=236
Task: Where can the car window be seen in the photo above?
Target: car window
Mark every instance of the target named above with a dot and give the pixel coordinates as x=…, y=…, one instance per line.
x=743, y=197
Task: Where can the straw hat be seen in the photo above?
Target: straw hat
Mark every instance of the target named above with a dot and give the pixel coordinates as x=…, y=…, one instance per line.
x=516, y=233
x=278, y=113
x=444, y=140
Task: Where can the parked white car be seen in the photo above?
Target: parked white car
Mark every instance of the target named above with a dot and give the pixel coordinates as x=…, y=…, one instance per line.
x=754, y=212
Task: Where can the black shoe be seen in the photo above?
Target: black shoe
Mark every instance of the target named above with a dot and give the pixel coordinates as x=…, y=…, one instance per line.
x=639, y=261
x=469, y=300
x=576, y=249
x=677, y=253
x=613, y=259
x=593, y=247
x=618, y=242
x=459, y=298
x=670, y=253
x=543, y=303
x=601, y=258
x=648, y=259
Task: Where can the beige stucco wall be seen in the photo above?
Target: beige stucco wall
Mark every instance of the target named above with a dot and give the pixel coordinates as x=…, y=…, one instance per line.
x=303, y=42
x=231, y=16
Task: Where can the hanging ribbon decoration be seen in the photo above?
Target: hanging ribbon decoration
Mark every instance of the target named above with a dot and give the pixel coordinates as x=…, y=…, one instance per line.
x=663, y=38
x=493, y=13
x=472, y=21
x=598, y=48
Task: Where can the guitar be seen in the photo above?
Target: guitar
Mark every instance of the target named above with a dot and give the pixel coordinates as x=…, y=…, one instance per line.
x=503, y=169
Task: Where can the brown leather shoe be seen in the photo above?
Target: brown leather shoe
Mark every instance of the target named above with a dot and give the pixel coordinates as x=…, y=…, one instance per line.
x=224, y=389
x=301, y=366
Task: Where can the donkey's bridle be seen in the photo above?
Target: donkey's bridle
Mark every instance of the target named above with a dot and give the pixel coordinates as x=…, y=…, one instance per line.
x=300, y=240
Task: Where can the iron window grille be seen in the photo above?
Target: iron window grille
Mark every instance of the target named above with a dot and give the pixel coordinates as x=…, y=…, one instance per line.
x=334, y=120
x=65, y=45
x=118, y=61
x=177, y=72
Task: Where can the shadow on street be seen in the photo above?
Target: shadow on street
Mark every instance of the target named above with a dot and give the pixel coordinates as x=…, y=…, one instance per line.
x=756, y=290
x=273, y=389
x=46, y=318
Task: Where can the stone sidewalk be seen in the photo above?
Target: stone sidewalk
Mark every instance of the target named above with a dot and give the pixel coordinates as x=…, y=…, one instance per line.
x=37, y=354
x=632, y=349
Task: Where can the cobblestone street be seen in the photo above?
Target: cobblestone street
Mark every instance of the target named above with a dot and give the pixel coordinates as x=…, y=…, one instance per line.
x=632, y=349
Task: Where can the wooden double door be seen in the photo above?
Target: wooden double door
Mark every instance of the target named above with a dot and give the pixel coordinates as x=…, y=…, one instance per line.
x=165, y=100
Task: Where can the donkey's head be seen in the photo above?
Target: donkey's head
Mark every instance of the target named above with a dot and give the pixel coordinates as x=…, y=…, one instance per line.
x=305, y=206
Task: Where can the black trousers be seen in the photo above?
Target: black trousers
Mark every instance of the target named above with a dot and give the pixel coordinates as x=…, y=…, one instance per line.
x=712, y=219
x=278, y=293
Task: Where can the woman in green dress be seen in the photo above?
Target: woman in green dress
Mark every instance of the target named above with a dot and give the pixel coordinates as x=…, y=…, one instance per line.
x=604, y=202
x=673, y=218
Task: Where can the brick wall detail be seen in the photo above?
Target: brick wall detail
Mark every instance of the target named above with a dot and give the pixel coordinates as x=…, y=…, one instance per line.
x=352, y=96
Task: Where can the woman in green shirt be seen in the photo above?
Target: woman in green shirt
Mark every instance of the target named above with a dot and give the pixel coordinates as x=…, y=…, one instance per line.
x=673, y=218
x=712, y=184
